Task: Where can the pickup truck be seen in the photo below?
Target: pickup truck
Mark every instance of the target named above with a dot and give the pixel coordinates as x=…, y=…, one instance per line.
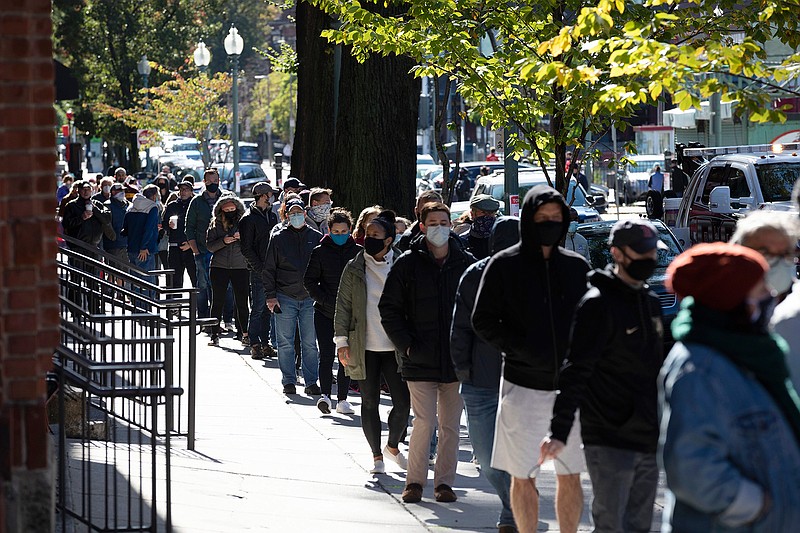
x=732, y=183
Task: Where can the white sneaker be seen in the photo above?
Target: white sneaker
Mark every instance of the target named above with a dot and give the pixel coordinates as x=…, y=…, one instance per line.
x=324, y=404
x=378, y=467
x=400, y=458
x=344, y=408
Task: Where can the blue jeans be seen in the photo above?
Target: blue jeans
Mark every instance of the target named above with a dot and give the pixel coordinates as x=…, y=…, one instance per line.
x=481, y=407
x=202, y=263
x=146, y=265
x=296, y=313
x=258, y=329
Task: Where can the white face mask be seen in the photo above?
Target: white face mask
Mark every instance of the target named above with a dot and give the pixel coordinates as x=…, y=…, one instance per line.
x=120, y=196
x=782, y=273
x=106, y=189
x=437, y=235
x=297, y=220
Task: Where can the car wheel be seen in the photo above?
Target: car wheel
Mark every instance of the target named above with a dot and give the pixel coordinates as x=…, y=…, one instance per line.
x=654, y=205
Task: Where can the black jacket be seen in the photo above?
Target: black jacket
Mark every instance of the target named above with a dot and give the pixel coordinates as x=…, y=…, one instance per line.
x=288, y=253
x=254, y=229
x=525, y=303
x=89, y=230
x=612, y=367
x=417, y=308
x=176, y=208
x=404, y=242
x=477, y=362
x=324, y=271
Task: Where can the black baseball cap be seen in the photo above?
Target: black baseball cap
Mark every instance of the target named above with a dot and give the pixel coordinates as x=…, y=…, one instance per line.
x=640, y=235
x=293, y=183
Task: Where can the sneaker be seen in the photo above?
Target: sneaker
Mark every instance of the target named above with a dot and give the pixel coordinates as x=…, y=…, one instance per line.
x=289, y=388
x=344, y=408
x=268, y=351
x=245, y=340
x=256, y=352
x=444, y=494
x=214, y=340
x=506, y=529
x=312, y=390
x=412, y=493
x=400, y=458
x=378, y=467
x=324, y=404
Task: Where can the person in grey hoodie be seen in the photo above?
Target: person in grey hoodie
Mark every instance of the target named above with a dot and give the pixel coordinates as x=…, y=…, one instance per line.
x=228, y=264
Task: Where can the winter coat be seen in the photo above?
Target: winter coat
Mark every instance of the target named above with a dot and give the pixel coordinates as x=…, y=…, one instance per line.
x=141, y=225
x=404, y=242
x=90, y=230
x=525, y=303
x=228, y=256
x=476, y=362
x=786, y=323
x=612, y=367
x=198, y=218
x=176, y=208
x=350, y=319
x=288, y=253
x=117, y=210
x=255, y=227
x=324, y=270
x=417, y=310
x=724, y=443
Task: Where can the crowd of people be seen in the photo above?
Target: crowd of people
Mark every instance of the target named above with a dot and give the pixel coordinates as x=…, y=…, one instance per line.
x=502, y=317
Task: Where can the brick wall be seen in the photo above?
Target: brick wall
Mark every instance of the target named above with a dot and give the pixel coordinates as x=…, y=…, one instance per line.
x=28, y=285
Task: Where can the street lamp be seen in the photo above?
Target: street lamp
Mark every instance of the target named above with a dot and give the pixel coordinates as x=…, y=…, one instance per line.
x=234, y=46
x=202, y=57
x=143, y=66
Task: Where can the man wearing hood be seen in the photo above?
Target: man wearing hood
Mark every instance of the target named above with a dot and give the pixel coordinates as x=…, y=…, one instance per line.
x=416, y=310
x=478, y=367
x=524, y=308
x=141, y=228
x=611, y=372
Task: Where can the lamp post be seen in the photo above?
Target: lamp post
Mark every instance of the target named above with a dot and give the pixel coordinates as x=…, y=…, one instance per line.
x=234, y=46
x=143, y=66
x=202, y=57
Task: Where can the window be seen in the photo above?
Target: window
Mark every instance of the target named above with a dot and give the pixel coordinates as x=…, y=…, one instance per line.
x=777, y=180
x=716, y=178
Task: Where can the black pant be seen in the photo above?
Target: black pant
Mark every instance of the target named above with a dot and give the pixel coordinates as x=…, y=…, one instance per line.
x=327, y=352
x=181, y=261
x=375, y=364
x=239, y=278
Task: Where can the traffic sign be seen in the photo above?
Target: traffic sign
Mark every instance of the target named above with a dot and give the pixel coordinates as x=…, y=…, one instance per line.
x=513, y=200
x=146, y=138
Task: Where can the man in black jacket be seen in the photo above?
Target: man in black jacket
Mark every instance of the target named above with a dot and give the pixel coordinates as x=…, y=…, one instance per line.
x=524, y=308
x=611, y=372
x=254, y=229
x=84, y=218
x=179, y=254
x=416, y=311
x=477, y=367
x=288, y=253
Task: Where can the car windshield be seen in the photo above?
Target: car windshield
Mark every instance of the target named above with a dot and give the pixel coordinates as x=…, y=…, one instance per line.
x=600, y=254
x=425, y=159
x=644, y=166
x=497, y=190
x=253, y=173
x=777, y=180
x=249, y=153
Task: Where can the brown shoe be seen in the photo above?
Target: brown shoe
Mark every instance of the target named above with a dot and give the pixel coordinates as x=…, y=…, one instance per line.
x=506, y=529
x=412, y=493
x=444, y=494
x=256, y=352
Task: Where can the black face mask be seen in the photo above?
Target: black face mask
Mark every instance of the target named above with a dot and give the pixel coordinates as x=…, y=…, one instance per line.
x=373, y=246
x=640, y=269
x=232, y=216
x=548, y=232
x=759, y=319
x=212, y=188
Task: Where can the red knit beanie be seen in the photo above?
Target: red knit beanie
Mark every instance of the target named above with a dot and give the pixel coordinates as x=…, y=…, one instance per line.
x=718, y=275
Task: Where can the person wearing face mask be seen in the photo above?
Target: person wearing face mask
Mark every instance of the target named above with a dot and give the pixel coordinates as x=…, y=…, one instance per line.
x=574, y=240
x=524, y=307
x=179, y=254
x=104, y=194
x=416, y=312
x=117, y=205
x=412, y=233
x=288, y=253
x=730, y=417
x=613, y=359
x=321, y=280
x=365, y=351
x=228, y=265
x=483, y=212
x=319, y=201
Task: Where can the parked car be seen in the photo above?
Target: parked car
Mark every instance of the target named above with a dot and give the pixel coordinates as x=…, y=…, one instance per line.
x=251, y=173
x=637, y=176
x=494, y=185
x=597, y=234
x=248, y=153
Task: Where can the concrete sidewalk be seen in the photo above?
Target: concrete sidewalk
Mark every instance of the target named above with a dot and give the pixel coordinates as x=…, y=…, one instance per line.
x=268, y=462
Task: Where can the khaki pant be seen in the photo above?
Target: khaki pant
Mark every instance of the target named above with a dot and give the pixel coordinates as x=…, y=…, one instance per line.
x=427, y=399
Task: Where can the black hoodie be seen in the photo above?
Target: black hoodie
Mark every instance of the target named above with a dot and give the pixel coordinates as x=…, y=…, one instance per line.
x=324, y=271
x=525, y=303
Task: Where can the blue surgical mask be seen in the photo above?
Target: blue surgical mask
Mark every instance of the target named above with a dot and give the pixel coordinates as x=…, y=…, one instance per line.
x=339, y=239
x=297, y=220
x=573, y=226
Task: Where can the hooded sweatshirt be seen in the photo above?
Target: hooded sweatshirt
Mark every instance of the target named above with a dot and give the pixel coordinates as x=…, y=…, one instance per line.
x=525, y=302
x=141, y=225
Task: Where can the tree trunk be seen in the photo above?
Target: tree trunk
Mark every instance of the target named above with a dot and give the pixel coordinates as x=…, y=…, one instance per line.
x=313, y=144
x=376, y=134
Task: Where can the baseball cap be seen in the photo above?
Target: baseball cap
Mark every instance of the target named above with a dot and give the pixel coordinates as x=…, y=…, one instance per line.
x=293, y=183
x=295, y=203
x=186, y=183
x=640, y=235
x=117, y=187
x=484, y=202
x=262, y=188
x=84, y=184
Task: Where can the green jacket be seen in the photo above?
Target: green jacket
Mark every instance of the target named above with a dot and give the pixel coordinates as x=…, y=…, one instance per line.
x=350, y=319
